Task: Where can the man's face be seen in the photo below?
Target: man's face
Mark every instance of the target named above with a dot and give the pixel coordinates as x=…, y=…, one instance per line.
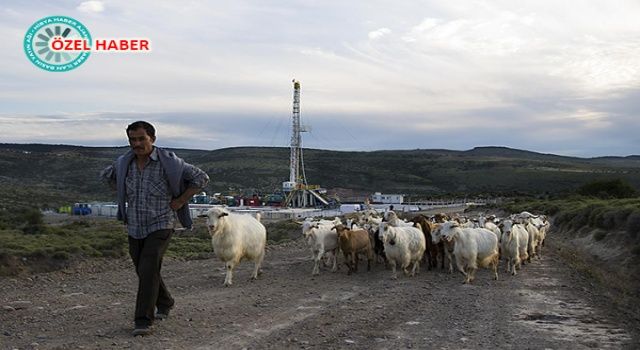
x=140, y=142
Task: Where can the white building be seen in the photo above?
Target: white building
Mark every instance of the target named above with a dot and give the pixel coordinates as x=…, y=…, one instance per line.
x=387, y=198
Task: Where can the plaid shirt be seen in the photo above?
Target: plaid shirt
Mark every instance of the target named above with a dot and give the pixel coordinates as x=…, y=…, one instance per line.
x=149, y=196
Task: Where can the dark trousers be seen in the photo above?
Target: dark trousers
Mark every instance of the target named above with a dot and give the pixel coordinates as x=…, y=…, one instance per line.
x=147, y=256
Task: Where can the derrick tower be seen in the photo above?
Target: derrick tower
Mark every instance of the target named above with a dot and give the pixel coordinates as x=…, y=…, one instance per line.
x=298, y=193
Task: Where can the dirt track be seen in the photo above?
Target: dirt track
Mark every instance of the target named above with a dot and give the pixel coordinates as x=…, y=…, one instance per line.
x=545, y=306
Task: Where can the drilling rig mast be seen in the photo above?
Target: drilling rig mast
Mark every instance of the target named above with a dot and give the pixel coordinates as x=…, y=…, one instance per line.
x=298, y=193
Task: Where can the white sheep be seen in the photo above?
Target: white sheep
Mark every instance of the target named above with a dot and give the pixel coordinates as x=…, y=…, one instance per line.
x=473, y=247
x=392, y=218
x=535, y=239
x=510, y=244
x=542, y=225
x=489, y=225
x=321, y=239
x=522, y=235
x=403, y=246
x=236, y=237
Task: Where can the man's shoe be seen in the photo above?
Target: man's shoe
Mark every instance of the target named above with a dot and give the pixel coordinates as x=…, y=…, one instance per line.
x=162, y=314
x=141, y=331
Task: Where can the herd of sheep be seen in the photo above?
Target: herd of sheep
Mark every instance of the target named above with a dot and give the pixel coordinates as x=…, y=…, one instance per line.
x=384, y=237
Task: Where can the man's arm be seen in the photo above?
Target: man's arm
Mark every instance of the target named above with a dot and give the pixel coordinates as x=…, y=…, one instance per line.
x=196, y=180
x=177, y=203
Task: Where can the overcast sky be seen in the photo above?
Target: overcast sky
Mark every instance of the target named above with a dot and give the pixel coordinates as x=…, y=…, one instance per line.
x=558, y=77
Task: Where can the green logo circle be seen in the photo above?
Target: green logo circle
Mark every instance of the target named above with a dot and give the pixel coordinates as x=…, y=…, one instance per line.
x=43, y=33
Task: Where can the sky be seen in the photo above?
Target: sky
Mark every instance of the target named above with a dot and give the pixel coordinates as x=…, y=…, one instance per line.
x=559, y=77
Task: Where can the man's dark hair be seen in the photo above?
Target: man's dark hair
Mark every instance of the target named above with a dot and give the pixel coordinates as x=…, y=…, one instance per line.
x=151, y=131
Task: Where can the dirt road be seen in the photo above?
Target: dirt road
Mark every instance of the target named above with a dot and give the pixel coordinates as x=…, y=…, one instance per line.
x=546, y=306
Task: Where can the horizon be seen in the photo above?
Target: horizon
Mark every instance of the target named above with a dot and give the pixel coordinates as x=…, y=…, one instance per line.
x=330, y=150
x=547, y=77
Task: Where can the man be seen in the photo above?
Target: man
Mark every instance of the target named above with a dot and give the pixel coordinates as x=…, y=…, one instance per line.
x=156, y=186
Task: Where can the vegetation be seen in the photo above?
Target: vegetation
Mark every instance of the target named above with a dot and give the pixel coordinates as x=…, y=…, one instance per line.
x=578, y=192
x=49, y=176
x=577, y=212
x=53, y=246
x=75, y=240
x=608, y=189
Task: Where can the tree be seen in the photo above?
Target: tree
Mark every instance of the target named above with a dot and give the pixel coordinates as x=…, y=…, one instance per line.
x=616, y=188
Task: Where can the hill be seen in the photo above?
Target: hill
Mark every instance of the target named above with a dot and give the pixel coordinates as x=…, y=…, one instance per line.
x=52, y=175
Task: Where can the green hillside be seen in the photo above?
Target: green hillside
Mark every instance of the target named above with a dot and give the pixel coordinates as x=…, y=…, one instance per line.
x=52, y=175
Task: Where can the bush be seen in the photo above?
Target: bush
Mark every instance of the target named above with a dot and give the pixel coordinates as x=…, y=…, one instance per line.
x=61, y=255
x=282, y=231
x=600, y=235
x=621, y=217
x=607, y=189
x=633, y=223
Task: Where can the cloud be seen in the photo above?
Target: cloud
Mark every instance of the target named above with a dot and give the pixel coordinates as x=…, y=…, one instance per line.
x=92, y=6
x=376, y=34
x=462, y=73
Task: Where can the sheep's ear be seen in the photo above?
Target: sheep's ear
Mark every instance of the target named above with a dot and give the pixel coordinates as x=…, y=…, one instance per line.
x=203, y=215
x=223, y=214
x=334, y=228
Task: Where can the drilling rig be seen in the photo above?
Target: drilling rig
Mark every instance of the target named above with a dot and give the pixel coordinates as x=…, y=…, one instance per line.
x=297, y=192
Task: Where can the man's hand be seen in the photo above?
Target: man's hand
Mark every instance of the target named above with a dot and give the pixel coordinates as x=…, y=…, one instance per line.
x=177, y=203
x=180, y=201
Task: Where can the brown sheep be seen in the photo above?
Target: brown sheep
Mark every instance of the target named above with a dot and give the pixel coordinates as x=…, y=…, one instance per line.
x=351, y=243
x=433, y=250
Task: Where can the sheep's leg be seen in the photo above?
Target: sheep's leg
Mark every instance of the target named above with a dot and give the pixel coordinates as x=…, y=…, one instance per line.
x=495, y=267
x=416, y=267
x=460, y=266
x=316, y=262
x=228, y=280
x=392, y=262
x=354, y=260
x=348, y=262
x=540, y=249
x=256, y=269
x=471, y=274
x=334, y=257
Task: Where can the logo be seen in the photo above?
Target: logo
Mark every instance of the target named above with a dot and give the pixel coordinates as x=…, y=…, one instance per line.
x=60, y=44
x=43, y=33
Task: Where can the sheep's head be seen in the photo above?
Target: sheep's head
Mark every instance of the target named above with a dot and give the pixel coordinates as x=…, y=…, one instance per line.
x=506, y=227
x=436, y=233
x=440, y=218
x=447, y=231
x=344, y=233
x=307, y=226
x=390, y=216
x=387, y=233
x=215, y=219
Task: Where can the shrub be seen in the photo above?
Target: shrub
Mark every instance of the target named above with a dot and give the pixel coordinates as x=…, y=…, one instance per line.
x=607, y=189
x=621, y=216
x=600, y=235
x=60, y=255
x=30, y=221
x=608, y=219
x=633, y=223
